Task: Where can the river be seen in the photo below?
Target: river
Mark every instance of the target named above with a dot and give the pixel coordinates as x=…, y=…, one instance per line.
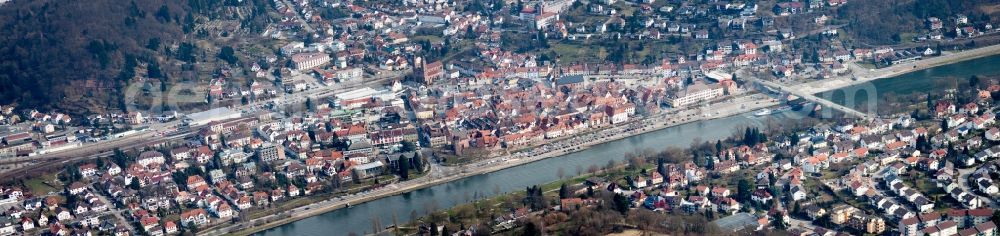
x=921, y=81
x=358, y=219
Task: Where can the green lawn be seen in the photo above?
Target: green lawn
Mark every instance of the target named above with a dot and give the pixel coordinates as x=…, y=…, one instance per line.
x=867, y=65
x=430, y=38
x=43, y=185
x=625, y=8
x=284, y=206
x=573, y=52
x=907, y=37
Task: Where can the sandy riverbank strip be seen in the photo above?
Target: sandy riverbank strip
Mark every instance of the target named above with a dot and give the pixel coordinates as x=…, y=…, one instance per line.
x=861, y=75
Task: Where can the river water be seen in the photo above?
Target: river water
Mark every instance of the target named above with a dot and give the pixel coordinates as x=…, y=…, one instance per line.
x=921, y=81
x=358, y=219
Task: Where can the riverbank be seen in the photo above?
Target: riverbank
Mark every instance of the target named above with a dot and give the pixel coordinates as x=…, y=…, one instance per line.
x=726, y=108
x=860, y=74
x=549, y=189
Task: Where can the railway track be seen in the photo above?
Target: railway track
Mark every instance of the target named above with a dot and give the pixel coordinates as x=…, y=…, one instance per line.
x=54, y=161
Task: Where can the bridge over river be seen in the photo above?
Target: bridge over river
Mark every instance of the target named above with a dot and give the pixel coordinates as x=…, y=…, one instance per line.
x=812, y=98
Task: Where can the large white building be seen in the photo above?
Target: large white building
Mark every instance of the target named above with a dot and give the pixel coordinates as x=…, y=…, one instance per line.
x=368, y=170
x=309, y=60
x=217, y=114
x=355, y=98
x=556, y=6
x=347, y=74
x=135, y=118
x=293, y=47
x=696, y=93
x=621, y=113
x=150, y=157
x=545, y=19
x=270, y=152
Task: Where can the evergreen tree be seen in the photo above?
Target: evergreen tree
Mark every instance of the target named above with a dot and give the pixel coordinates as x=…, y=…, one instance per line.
x=759, y=136
x=404, y=167
x=710, y=163
x=621, y=203
x=71, y=174
x=699, y=160
x=310, y=105
x=543, y=42
x=530, y=229
x=469, y=32
x=217, y=160
x=119, y=158
x=153, y=43
x=407, y=146
x=185, y=52
x=743, y=190
x=771, y=178
x=779, y=222
x=564, y=191
x=659, y=166
x=718, y=146
x=951, y=150
x=163, y=14
x=153, y=70
x=921, y=143
x=227, y=54
x=746, y=136
x=930, y=101
x=418, y=163
x=533, y=198
x=517, y=8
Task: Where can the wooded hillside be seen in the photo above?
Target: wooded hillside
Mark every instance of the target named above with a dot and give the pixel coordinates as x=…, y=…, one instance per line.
x=77, y=56
x=48, y=49
x=881, y=22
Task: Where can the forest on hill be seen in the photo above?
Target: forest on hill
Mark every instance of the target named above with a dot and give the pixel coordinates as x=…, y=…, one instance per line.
x=882, y=22
x=77, y=56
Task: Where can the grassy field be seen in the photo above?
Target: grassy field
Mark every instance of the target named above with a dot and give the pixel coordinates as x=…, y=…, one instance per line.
x=597, y=49
x=907, y=37
x=43, y=185
x=570, y=52
x=430, y=38
x=285, y=206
